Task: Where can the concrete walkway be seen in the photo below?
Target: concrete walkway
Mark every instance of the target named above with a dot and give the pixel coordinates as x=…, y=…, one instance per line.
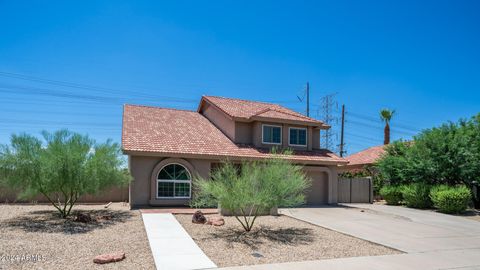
x=172, y=247
x=431, y=240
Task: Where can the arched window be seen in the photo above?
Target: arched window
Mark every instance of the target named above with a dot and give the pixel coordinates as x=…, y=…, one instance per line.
x=174, y=181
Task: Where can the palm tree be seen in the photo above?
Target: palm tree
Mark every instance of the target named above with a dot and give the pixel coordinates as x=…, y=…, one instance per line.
x=386, y=115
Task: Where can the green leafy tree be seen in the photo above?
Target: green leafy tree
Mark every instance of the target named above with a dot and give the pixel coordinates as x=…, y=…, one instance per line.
x=63, y=167
x=448, y=154
x=393, y=165
x=386, y=115
x=254, y=187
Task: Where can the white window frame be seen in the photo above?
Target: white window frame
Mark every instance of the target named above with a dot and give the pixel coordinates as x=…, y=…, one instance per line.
x=306, y=137
x=175, y=181
x=263, y=137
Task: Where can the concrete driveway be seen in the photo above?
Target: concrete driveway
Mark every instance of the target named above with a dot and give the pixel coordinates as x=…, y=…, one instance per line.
x=405, y=229
x=430, y=240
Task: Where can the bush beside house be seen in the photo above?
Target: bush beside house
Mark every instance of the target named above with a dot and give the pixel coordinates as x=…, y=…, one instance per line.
x=450, y=199
x=416, y=195
x=448, y=155
x=392, y=194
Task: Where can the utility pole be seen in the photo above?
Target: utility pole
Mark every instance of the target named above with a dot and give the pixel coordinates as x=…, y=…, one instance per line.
x=342, y=131
x=308, y=99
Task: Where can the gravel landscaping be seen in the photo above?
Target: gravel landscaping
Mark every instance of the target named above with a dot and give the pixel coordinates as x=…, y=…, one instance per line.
x=35, y=232
x=275, y=239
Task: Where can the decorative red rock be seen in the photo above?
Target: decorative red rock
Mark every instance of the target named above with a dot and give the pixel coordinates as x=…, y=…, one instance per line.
x=215, y=221
x=110, y=257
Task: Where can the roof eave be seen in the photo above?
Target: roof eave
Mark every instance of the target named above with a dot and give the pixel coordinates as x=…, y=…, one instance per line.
x=287, y=121
x=229, y=157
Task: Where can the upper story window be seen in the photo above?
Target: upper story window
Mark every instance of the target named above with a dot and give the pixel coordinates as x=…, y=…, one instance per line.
x=297, y=136
x=271, y=134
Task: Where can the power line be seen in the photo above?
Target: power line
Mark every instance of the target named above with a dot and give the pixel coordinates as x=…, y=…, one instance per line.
x=110, y=91
x=379, y=127
x=370, y=139
x=82, y=113
x=377, y=120
x=65, y=94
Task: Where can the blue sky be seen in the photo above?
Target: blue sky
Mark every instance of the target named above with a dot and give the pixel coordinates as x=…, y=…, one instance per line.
x=73, y=64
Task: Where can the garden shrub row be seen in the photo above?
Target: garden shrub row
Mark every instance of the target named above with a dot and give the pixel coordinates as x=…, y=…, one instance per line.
x=447, y=199
x=392, y=194
x=450, y=199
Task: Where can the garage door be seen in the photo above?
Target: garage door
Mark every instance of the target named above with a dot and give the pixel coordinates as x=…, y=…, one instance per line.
x=318, y=192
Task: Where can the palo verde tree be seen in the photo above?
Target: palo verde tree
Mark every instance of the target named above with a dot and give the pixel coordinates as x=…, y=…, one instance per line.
x=62, y=167
x=386, y=115
x=253, y=187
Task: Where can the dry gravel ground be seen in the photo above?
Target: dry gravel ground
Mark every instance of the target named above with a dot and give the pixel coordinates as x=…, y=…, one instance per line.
x=31, y=230
x=275, y=239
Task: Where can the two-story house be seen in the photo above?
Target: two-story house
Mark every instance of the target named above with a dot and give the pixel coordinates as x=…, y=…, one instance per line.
x=167, y=148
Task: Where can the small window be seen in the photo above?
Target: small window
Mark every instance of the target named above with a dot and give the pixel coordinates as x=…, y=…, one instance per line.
x=173, y=181
x=272, y=134
x=298, y=136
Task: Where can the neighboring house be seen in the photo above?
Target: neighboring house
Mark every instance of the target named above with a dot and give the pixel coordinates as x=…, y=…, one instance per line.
x=361, y=160
x=168, y=147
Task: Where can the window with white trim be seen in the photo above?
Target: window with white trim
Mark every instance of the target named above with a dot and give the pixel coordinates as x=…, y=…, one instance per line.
x=174, y=181
x=298, y=136
x=271, y=134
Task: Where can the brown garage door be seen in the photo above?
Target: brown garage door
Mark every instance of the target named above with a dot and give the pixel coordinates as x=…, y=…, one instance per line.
x=318, y=192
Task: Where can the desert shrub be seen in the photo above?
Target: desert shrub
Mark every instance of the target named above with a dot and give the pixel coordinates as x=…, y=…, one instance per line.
x=254, y=187
x=392, y=194
x=450, y=199
x=416, y=195
x=62, y=167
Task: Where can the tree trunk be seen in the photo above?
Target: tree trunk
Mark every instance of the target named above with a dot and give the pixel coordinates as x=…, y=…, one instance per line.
x=386, y=133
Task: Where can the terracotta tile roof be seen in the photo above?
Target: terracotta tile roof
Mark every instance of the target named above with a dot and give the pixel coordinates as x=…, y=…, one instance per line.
x=367, y=156
x=188, y=133
x=239, y=108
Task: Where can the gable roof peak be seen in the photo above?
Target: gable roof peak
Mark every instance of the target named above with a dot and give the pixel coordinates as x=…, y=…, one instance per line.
x=249, y=110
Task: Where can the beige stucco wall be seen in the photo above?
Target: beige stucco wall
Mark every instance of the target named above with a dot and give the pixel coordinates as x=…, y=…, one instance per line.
x=142, y=170
x=220, y=120
x=251, y=132
x=257, y=136
x=243, y=133
x=315, y=138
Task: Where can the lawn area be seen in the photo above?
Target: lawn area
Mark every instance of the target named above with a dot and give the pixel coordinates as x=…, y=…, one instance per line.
x=31, y=230
x=275, y=239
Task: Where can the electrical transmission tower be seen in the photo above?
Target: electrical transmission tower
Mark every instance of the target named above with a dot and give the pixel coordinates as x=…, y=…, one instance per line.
x=328, y=111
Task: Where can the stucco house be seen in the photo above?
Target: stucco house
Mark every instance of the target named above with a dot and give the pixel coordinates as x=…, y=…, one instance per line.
x=166, y=148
